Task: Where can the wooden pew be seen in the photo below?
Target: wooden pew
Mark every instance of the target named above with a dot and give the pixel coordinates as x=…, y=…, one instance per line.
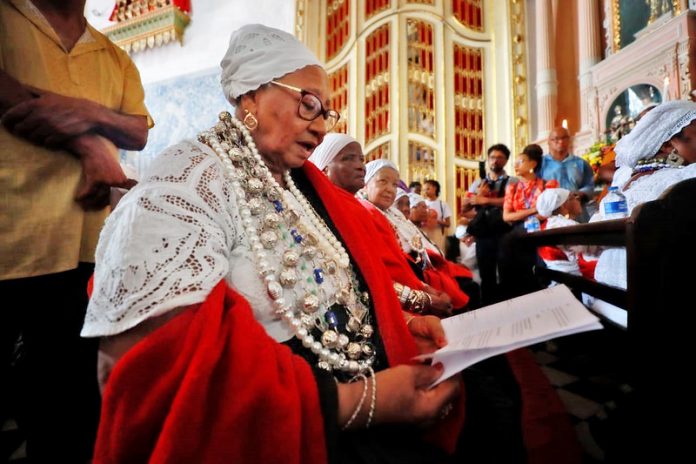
x=660, y=240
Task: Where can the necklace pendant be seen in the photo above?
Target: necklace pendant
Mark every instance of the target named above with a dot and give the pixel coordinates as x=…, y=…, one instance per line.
x=318, y=276
x=331, y=267
x=342, y=341
x=274, y=193
x=268, y=239
x=275, y=290
x=329, y=338
x=255, y=206
x=291, y=258
x=368, y=350
x=236, y=155
x=343, y=296
x=354, y=350
x=310, y=304
x=358, y=312
x=296, y=236
x=309, y=251
x=254, y=186
x=291, y=217
x=288, y=278
x=353, y=324
x=366, y=331
x=271, y=221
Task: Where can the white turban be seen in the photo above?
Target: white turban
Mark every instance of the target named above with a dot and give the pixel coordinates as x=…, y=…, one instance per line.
x=460, y=232
x=550, y=200
x=325, y=152
x=414, y=199
x=373, y=167
x=400, y=193
x=655, y=128
x=257, y=55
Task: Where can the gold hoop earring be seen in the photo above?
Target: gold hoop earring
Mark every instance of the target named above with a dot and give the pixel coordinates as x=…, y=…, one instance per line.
x=531, y=170
x=250, y=121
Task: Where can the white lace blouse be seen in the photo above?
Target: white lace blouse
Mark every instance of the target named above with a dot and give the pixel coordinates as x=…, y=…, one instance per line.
x=170, y=241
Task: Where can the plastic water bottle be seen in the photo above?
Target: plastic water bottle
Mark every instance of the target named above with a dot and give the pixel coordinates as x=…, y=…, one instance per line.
x=532, y=224
x=615, y=206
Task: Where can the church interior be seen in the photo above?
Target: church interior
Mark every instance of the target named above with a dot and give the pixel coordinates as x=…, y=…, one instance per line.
x=433, y=87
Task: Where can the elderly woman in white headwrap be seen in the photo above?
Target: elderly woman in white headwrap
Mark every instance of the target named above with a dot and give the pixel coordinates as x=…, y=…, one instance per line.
x=658, y=153
x=341, y=158
x=243, y=315
x=381, y=186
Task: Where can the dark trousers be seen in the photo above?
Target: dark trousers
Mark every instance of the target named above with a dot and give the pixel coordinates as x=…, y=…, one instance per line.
x=487, y=256
x=50, y=379
x=516, y=265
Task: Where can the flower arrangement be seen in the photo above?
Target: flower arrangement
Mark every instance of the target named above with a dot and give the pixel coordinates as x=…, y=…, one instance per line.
x=599, y=154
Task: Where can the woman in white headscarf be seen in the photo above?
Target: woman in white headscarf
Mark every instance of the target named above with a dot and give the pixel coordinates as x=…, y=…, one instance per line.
x=242, y=314
x=381, y=186
x=341, y=158
x=658, y=153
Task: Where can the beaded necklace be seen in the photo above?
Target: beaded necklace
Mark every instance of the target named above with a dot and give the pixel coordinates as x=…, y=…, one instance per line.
x=673, y=160
x=303, y=241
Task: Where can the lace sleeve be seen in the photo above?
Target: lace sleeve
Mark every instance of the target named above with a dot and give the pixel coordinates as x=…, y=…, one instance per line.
x=166, y=245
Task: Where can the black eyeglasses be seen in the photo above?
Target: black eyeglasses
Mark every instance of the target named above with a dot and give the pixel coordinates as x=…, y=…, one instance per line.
x=310, y=107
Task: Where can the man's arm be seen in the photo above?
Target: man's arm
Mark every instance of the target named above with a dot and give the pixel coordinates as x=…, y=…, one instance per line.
x=12, y=92
x=52, y=119
x=587, y=187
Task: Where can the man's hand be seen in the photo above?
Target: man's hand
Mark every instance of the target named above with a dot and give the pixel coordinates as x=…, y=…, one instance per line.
x=50, y=119
x=101, y=171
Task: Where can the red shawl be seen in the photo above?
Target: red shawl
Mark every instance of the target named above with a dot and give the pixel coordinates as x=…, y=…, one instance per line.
x=211, y=386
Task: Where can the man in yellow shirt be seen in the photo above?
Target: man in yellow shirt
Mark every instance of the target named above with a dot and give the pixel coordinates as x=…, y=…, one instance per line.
x=68, y=98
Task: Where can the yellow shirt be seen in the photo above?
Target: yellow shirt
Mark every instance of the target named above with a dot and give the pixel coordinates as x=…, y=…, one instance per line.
x=42, y=229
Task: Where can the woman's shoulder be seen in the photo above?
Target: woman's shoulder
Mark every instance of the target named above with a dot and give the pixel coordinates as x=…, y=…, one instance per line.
x=177, y=162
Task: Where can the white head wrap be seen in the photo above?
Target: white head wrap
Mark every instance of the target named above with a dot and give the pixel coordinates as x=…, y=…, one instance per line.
x=460, y=232
x=414, y=199
x=655, y=128
x=550, y=200
x=258, y=54
x=400, y=193
x=325, y=152
x=373, y=167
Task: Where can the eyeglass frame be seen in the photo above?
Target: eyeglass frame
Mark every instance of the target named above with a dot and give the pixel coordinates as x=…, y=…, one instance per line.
x=323, y=112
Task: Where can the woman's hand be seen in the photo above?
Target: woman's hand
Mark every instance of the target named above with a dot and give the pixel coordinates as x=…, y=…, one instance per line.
x=440, y=303
x=427, y=332
x=403, y=396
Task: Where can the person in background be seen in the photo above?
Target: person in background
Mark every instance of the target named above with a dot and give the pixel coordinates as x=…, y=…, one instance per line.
x=560, y=207
x=69, y=98
x=519, y=209
x=485, y=195
x=341, y=158
x=570, y=171
x=327, y=156
x=519, y=205
x=402, y=202
x=461, y=248
x=415, y=187
x=436, y=224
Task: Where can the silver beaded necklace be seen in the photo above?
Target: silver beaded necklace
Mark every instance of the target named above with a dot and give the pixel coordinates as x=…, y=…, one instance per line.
x=306, y=245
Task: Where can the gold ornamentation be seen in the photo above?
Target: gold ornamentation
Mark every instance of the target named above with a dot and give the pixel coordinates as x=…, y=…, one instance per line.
x=519, y=72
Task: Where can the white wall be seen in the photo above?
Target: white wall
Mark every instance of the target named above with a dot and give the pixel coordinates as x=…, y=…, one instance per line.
x=182, y=90
x=205, y=38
